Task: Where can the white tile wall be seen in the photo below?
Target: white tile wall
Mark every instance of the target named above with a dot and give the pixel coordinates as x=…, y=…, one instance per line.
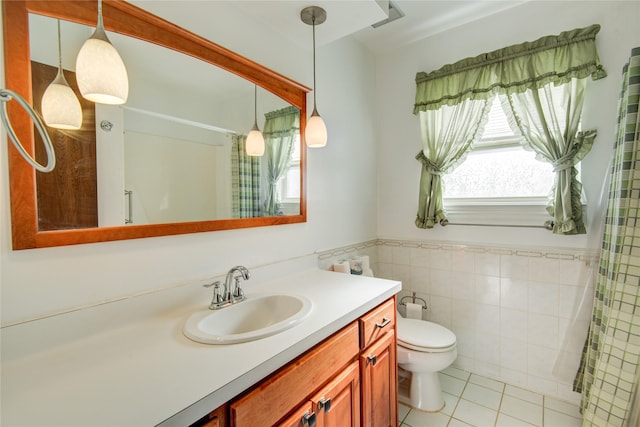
x=509, y=308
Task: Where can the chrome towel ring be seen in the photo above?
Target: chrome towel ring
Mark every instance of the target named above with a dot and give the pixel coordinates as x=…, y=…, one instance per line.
x=7, y=95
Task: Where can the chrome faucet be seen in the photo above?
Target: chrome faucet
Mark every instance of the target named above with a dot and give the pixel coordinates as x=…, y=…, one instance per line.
x=232, y=291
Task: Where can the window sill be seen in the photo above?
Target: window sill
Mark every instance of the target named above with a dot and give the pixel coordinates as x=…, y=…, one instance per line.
x=514, y=211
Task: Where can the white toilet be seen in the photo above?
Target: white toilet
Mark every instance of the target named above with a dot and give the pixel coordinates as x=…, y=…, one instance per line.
x=424, y=349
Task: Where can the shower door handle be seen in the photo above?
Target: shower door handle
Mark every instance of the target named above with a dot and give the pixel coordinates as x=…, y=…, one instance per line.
x=129, y=194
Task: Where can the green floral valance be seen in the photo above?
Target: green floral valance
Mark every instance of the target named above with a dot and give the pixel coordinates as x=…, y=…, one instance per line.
x=530, y=65
x=281, y=122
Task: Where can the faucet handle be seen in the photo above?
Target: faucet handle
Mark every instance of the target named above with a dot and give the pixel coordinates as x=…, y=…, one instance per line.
x=238, y=292
x=217, y=293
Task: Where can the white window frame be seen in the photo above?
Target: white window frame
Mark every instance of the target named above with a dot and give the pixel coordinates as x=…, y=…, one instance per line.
x=500, y=210
x=290, y=205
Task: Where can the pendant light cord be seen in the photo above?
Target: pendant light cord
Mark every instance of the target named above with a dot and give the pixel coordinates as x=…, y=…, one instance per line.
x=100, y=22
x=255, y=106
x=59, y=50
x=313, y=20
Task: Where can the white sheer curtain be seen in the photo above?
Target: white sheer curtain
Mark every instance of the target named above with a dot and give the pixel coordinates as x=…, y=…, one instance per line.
x=548, y=120
x=568, y=359
x=448, y=134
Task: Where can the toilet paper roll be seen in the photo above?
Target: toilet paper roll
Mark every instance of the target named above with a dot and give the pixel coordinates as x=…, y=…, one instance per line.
x=414, y=311
x=342, y=267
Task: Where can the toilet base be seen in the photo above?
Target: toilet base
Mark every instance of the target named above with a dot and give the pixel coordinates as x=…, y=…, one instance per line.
x=423, y=392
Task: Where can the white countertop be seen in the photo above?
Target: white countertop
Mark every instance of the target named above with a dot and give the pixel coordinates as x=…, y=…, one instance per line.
x=128, y=364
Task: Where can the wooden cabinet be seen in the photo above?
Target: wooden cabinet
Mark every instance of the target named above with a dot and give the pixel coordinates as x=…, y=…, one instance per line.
x=304, y=416
x=348, y=380
x=276, y=396
x=335, y=405
x=378, y=368
x=377, y=322
x=379, y=384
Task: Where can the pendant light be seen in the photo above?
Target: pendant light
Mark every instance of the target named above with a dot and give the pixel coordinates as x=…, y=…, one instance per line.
x=60, y=106
x=255, y=140
x=102, y=76
x=315, y=133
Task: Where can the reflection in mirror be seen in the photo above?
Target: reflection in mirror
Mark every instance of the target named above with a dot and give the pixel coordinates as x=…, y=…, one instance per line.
x=173, y=153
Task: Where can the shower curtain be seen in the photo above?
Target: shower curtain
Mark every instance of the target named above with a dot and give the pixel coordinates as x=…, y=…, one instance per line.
x=245, y=180
x=610, y=366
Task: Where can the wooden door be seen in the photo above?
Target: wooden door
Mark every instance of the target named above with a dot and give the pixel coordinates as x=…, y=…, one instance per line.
x=68, y=195
x=302, y=417
x=338, y=404
x=379, y=383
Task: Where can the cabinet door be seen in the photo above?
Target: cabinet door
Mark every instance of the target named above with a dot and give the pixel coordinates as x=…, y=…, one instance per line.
x=302, y=417
x=379, y=383
x=338, y=404
x=288, y=388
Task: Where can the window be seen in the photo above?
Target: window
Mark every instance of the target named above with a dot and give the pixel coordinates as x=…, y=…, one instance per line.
x=499, y=170
x=289, y=184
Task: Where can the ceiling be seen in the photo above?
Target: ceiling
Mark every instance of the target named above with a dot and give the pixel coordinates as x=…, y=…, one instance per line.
x=422, y=18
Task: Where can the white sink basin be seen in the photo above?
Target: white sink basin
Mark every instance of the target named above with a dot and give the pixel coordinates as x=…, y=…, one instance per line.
x=256, y=317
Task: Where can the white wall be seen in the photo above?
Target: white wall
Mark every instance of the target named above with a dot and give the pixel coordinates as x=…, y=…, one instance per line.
x=398, y=130
x=508, y=294
x=341, y=191
x=510, y=309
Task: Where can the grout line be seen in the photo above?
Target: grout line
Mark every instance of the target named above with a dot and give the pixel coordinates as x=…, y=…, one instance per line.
x=504, y=388
x=502, y=396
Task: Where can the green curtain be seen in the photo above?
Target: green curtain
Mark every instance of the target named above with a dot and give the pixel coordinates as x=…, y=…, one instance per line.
x=548, y=120
x=245, y=180
x=447, y=135
x=280, y=130
x=610, y=365
x=526, y=67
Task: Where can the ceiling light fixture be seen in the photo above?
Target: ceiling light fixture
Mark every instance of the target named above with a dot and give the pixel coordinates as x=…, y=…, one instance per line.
x=101, y=74
x=315, y=133
x=60, y=106
x=255, y=141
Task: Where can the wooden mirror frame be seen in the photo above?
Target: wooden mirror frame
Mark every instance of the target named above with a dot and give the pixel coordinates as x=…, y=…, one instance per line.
x=127, y=19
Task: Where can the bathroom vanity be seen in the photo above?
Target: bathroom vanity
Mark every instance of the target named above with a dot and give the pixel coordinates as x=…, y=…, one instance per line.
x=350, y=379
x=128, y=362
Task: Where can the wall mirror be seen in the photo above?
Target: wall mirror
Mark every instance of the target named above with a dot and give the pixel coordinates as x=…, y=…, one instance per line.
x=166, y=162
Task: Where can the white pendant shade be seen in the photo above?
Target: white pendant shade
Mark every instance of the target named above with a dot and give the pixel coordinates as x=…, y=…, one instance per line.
x=315, y=133
x=255, y=143
x=60, y=106
x=102, y=76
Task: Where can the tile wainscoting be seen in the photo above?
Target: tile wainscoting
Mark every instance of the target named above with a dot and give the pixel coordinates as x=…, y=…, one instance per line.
x=509, y=307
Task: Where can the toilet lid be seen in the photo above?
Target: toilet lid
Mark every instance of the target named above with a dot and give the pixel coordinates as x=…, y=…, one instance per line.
x=425, y=334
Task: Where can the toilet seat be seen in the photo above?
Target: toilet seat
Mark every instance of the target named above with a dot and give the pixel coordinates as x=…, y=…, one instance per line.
x=423, y=336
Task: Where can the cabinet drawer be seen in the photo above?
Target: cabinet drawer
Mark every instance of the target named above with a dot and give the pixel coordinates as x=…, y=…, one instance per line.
x=377, y=322
x=283, y=391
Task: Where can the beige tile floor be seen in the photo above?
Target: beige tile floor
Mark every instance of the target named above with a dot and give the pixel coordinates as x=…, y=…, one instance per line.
x=475, y=401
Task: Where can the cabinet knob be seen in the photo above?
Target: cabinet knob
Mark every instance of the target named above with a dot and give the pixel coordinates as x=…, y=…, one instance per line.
x=372, y=359
x=385, y=322
x=324, y=404
x=309, y=419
